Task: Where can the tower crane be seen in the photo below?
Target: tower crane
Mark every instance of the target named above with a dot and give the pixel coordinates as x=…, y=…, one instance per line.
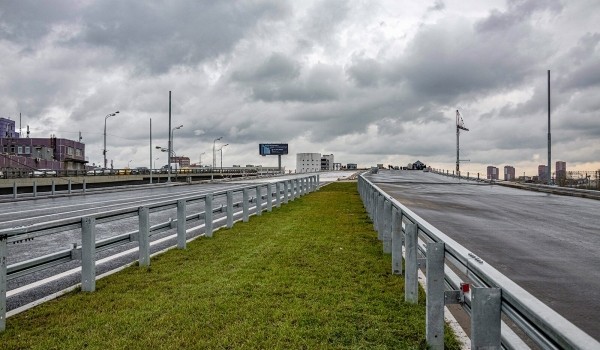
x=460, y=125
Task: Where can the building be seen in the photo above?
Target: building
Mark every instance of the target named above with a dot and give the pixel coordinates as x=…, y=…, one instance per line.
x=561, y=171
x=509, y=173
x=352, y=166
x=492, y=173
x=542, y=172
x=38, y=153
x=327, y=162
x=182, y=161
x=308, y=162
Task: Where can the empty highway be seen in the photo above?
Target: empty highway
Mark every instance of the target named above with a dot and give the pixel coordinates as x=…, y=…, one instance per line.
x=548, y=244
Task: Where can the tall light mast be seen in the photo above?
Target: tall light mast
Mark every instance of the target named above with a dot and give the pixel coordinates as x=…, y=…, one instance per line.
x=460, y=125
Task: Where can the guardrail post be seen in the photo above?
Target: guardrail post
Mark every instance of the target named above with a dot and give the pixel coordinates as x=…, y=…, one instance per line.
x=69, y=186
x=3, y=256
x=258, y=201
x=375, y=207
x=387, y=227
x=277, y=194
x=434, y=321
x=181, y=224
x=485, y=318
x=229, y=209
x=396, y=242
x=88, y=254
x=53, y=187
x=143, y=233
x=411, y=278
x=269, y=197
x=208, y=215
x=84, y=185
x=318, y=181
x=34, y=188
x=285, y=192
x=304, y=183
x=380, y=205
x=14, y=189
x=292, y=197
x=245, y=205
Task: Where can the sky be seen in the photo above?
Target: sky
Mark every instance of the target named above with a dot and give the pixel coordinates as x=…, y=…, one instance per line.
x=368, y=81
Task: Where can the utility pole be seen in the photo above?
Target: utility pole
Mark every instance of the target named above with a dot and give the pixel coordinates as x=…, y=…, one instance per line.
x=549, y=135
x=170, y=150
x=460, y=125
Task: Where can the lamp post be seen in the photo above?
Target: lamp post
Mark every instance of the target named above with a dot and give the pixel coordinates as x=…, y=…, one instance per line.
x=201, y=158
x=221, y=150
x=214, y=163
x=129, y=164
x=104, y=150
x=155, y=162
x=171, y=151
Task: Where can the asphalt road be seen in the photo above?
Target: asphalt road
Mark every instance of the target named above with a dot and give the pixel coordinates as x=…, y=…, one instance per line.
x=548, y=244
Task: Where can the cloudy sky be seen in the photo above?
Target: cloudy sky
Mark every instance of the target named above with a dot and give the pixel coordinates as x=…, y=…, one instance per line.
x=369, y=81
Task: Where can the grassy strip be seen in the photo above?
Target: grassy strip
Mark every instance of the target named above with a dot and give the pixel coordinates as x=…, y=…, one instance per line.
x=308, y=275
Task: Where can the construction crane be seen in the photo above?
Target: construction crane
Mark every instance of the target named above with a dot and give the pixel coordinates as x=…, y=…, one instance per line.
x=460, y=125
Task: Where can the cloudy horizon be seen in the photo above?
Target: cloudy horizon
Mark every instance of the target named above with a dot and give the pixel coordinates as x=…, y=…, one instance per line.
x=370, y=82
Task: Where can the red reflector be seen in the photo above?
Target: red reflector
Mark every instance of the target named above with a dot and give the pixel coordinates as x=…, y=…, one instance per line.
x=465, y=287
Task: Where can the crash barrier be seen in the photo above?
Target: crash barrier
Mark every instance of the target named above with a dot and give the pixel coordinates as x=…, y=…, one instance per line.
x=266, y=195
x=483, y=292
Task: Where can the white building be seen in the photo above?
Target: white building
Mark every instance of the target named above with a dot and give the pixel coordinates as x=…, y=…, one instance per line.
x=327, y=162
x=308, y=162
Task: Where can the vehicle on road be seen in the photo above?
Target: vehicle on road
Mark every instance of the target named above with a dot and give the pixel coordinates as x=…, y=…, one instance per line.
x=43, y=173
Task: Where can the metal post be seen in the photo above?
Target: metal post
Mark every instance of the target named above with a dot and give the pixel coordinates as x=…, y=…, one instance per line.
x=277, y=194
x=549, y=170
x=269, y=197
x=53, y=187
x=285, y=192
x=34, y=188
x=375, y=207
x=169, y=144
x=143, y=236
x=181, y=244
x=485, y=318
x=380, y=217
x=229, y=209
x=434, y=320
x=84, y=186
x=14, y=189
x=396, y=242
x=69, y=186
x=411, y=278
x=318, y=181
x=258, y=201
x=88, y=254
x=208, y=215
x=3, y=256
x=245, y=205
x=387, y=227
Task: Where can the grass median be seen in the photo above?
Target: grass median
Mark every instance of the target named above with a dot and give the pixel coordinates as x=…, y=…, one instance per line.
x=308, y=275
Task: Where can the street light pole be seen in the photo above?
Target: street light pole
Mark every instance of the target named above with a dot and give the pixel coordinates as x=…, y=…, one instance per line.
x=104, y=150
x=221, y=150
x=201, y=158
x=214, y=163
x=171, y=147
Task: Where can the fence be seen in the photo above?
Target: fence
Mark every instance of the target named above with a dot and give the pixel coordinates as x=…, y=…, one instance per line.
x=276, y=193
x=488, y=297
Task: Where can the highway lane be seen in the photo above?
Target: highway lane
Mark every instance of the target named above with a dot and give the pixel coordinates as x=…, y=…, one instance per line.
x=548, y=244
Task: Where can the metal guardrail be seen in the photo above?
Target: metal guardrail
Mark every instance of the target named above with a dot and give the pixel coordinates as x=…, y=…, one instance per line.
x=486, y=297
x=279, y=192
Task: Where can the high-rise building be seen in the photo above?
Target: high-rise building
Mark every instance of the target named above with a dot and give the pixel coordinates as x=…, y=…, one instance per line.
x=492, y=173
x=561, y=170
x=542, y=172
x=509, y=173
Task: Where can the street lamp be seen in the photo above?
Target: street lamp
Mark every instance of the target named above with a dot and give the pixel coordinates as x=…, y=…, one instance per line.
x=201, y=158
x=104, y=151
x=155, y=163
x=171, y=151
x=221, y=150
x=129, y=164
x=214, y=163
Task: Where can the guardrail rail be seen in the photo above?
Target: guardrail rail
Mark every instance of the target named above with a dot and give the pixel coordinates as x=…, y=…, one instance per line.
x=266, y=196
x=484, y=293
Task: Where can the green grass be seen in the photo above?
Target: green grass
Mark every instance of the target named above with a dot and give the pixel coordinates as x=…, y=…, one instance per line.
x=309, y=275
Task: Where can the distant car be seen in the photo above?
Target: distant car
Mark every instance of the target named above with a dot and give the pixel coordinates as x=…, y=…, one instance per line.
x=99, y=172
x=43, y=172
